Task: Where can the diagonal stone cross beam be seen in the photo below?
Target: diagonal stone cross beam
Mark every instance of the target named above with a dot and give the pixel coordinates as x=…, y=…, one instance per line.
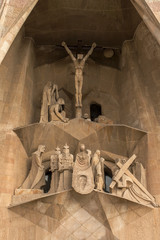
x=129, y=174
x=124, y=169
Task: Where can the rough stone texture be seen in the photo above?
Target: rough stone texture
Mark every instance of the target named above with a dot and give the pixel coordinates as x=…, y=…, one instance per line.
x=93, y=216
x=16, y=93
x=13, y=14
x=65, y=17
x=67, y=216
x=139, y=104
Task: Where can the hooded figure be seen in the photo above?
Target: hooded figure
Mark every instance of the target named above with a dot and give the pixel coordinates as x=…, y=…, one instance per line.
x=50, y=97
x=36, y=176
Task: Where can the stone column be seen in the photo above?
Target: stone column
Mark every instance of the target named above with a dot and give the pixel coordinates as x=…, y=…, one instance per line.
x=78, y=112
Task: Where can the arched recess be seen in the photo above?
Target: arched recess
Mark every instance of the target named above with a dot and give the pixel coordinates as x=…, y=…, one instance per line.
x=12, y=23
x=95, y=110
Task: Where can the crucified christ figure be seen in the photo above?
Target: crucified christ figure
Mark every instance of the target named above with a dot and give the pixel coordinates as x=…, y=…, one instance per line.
x=79, y=63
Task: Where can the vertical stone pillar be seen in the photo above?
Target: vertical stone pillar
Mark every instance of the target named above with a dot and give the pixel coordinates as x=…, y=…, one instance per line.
x=145, y=115
x=78, y=112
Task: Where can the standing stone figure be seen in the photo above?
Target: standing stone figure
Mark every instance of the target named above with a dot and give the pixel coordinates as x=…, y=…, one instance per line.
x=50, y=97
x=98, y=170
x=79, y=63
x=65, y=169
x=100, y=175
x=36, y=176
x=83, y=181
x=54, y=162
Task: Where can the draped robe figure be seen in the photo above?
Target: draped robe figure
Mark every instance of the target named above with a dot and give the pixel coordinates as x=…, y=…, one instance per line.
x=54, y=162
x=56, y=111
x=98, y=170
x=65, y=169
x=50, y=97
x=83, y=181
x=36, y=176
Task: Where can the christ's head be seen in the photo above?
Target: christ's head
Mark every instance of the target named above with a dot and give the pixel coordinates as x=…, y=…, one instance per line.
x=79, y=56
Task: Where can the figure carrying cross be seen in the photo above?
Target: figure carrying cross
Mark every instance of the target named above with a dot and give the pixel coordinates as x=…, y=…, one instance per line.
x=79, y=63
x=125, y=184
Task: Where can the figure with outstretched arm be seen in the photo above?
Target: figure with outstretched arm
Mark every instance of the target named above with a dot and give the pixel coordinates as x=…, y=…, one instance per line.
x=79, y=63
x=68, y=51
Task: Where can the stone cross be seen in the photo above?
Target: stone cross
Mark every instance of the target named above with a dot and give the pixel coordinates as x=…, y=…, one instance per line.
x=79, y=63
x=124, y=169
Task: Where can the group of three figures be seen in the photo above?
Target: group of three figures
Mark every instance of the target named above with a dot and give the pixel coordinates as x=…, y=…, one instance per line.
x=87, y=172
x=52, y=105
x=52, y=108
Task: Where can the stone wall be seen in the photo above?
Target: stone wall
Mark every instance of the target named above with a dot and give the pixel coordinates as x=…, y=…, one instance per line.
x=17, y=84
x=139, y=94
x=16, y=106
x=155, y=7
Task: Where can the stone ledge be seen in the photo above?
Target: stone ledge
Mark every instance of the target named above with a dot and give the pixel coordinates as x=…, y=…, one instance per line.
x=26, y=198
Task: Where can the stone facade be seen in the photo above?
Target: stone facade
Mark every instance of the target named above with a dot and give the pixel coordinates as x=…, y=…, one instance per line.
x=128, y=94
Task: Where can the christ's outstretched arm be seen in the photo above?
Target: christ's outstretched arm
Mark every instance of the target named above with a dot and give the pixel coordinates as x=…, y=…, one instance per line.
x=90, y=52
x=68, y=51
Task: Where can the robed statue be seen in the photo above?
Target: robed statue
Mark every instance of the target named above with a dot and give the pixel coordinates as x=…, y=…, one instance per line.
x=49, y=98
x=83, y=180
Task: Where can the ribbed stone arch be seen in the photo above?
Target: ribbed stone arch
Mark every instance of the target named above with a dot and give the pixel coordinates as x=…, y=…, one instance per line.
x=13, y=14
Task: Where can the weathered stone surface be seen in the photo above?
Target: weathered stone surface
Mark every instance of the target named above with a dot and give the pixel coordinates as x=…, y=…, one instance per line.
x=127, y=93
x=27, y=191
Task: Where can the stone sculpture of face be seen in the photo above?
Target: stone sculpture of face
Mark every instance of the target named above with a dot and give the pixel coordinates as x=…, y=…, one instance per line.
x=123, y=161
x=79, y=56
x=86, y=116
x=61, y=101
x=42, y=148
x=102, y=159
x=89, y=152
x=50, y=84
x=98, y=152
x=66, y=149
x=82, y=147
x=58, y=151
x=82, y=181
